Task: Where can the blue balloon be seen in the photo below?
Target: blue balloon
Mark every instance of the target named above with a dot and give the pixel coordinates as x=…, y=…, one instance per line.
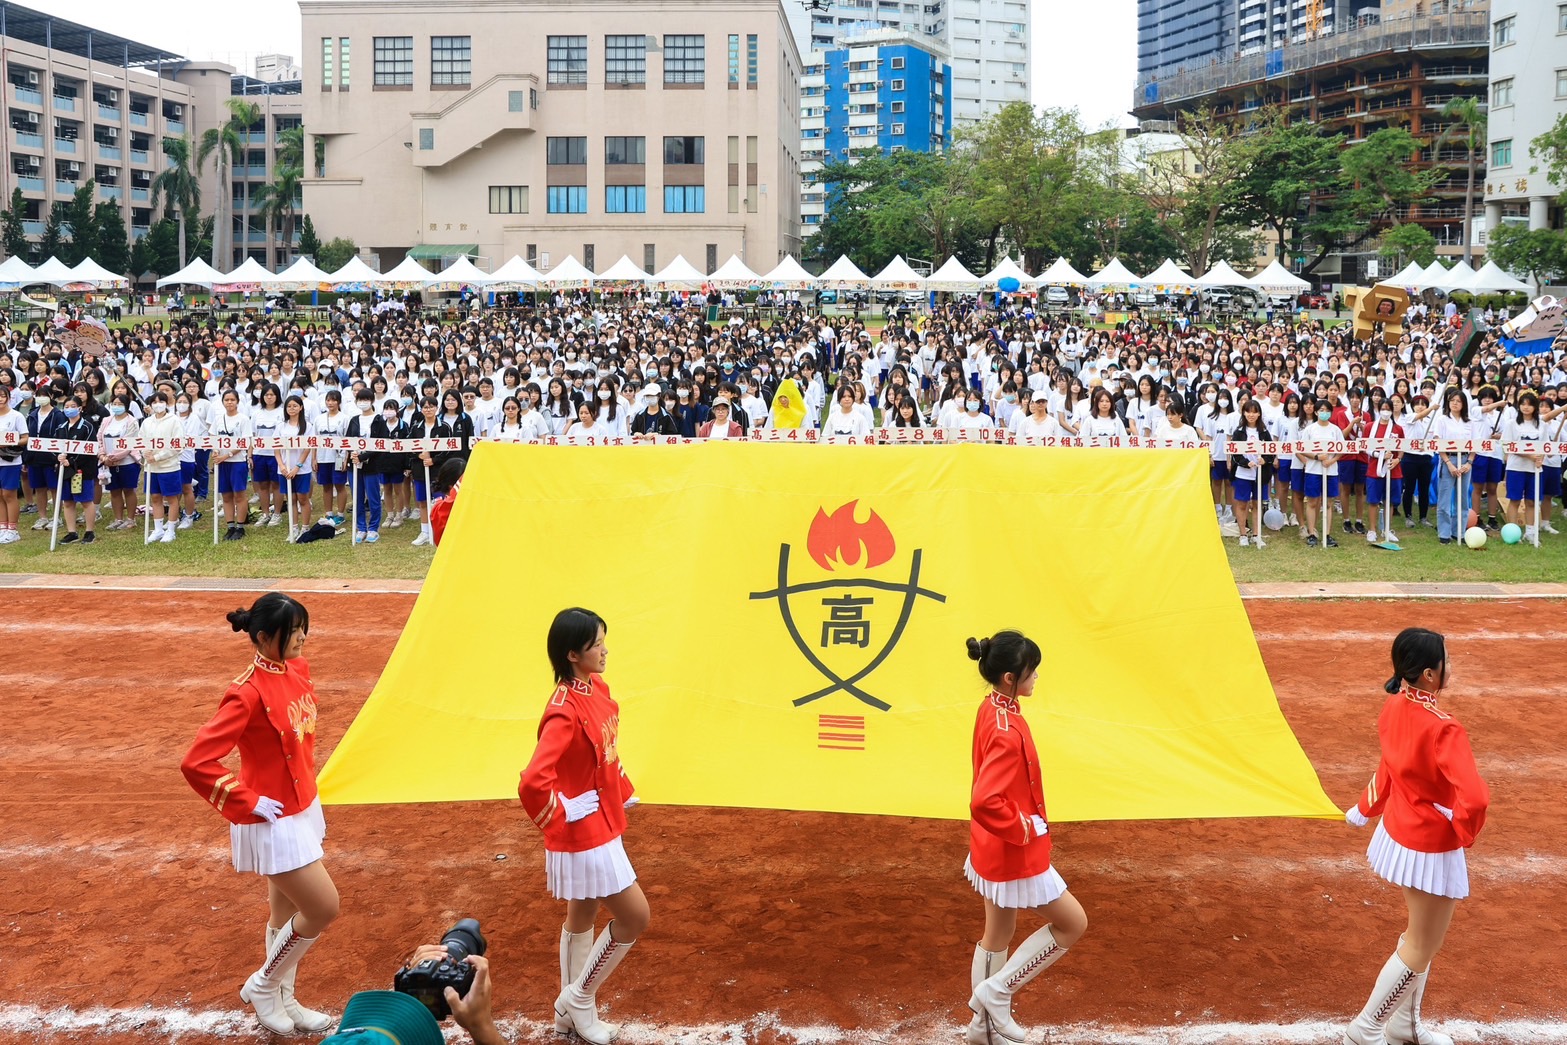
x=1008, y=284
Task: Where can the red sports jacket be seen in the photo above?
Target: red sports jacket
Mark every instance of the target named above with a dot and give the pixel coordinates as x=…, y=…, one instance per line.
x=1426, y=763
x=1384, y=431
x=269, y=713
x=1007, y=791
x=578, y=751
x=441, y=512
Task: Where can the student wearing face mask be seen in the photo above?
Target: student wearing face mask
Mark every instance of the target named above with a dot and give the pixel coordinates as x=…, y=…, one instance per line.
x=163, y=467
x=1216, y=424
x=973, y=418
x=653, y=421
x=1320, y=473
x=124, y=463
x=191, y=427
x=12, y=424
x=367, y=425
x=1384, y=469
x=41, y=465
x=81, y=472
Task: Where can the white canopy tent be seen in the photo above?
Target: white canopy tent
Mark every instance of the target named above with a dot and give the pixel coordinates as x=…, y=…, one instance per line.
x=54, y=272
x=624, y=271
x=1221, y=275
x=570, y=274
x=197, y=274
x=1491, y=278
x=790, y=275
x=843, y=274
x=1061, y=274
x=898, y=275
x=1114, y=274
x=1276, y=279
x=251, y=272
x=952, y=277
x=1170, y=275
x=1006, y=268
x=1410, y=277
x=407, y=273
x=679, y=274
x=89, y=271
x=461, y=272
x=15, y=273
x=301, y=275
x=735, y=275
x=354, y=274
x=516, y=274
x=1454, y=278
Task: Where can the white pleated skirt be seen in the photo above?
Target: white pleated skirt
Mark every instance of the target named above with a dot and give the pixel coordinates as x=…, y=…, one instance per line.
x=1440, y=874
x=1022, y=893
x=589, y=875
x=291, y=843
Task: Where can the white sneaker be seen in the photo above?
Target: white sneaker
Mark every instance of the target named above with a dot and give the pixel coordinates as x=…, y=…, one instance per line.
x=1371, y=536
x=421, y=540
x=1245, y=541
x=156, y=535
x=184, y=523
x=1529, y=534
x=1256, y=542
x=255, y=498
x=43, y=524
x=1292, y=520
x=168, y=535
x=395, y=521
x=1302, y=528
x=1546, y=526
x=1390, y=536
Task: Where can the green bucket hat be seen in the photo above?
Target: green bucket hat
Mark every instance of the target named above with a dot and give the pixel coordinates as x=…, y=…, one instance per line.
x=386, y=1018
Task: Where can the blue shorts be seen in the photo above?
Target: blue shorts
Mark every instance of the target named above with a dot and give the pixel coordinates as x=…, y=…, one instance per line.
x=1488, y=470
x=1246, y=490
x=124, y=477
x=1551, y=480
x=43, y=476
x=1284, y=469
x=263, y=469
x=1313, y=485
x=328, y=475
x=1219, y=471
x=1352, y=473
x=233, y=477
x=1520, y=485
x=1374, y=488
x=88, y=495
x=299, y=484
x=420, y=494
x=164, y=484
x=393, y=479
x=187, y=473
x=11, y=476
x=1298, y=479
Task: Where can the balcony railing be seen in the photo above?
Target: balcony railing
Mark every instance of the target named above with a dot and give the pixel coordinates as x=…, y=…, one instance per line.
x=110, y=192
x=108, y=112
x=140, y=195
x=64, y=104
x=138, y=231
x=32, y=227
x=141, y=157
x=174, y=127
x=65, y=145
x=27, y=184
x=140, y=119
x=64, y=188
x=29, y=140
x=28, y=95
x=108, y=152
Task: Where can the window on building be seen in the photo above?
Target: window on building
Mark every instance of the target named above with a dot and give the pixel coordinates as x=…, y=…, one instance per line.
x=1502, y=91
x=897, y=130
x=898, y=63
x=326, y=63
x=426, y=139
x=1503, y=31
x=508, y=199
x=568, y=60
x=685, y=149
x=451, y=61
x=516, y=101
x=1561, y=18
x=897, y=107
x=624, y=150
x=752, y=58
x=566, y=150
x=568, y=199
x=625, y=59
x=1502, y=153
x=1561, y=83
x=394, y=61
x=897, y=85
x=625, y=199
x=734, y=58
x=685, y=199
x=685, y=59
x=342, y=64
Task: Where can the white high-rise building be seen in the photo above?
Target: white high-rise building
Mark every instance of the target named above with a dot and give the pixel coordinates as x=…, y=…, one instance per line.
x=1528, y=96
x=987, y=40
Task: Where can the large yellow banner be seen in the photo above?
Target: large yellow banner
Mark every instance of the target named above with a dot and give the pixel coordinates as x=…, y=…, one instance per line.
x=786, y=629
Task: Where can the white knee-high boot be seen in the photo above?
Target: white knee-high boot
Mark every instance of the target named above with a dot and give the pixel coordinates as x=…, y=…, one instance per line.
x=308, y=1020
x=263, y=991
x=578, y=1001
x=574, y=950
x=985, y=965
x=1393, y=986
x=993, y=998
x=1405, y=1026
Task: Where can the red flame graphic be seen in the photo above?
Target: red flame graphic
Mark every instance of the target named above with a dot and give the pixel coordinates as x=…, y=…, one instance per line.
x=838, y=537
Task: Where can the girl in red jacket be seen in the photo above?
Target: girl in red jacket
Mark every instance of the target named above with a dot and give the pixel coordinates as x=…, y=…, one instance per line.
x=276, y=827
x=577, y=792
x=1432, y=802
x=1009, y=844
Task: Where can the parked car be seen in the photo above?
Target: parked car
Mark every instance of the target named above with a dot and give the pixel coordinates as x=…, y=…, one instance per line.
x=1144, y=299
x=1315, y=299
x=1057, y=297
x=1281, y=302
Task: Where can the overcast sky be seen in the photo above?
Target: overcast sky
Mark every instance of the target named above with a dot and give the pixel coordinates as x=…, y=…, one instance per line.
x=1084, y=53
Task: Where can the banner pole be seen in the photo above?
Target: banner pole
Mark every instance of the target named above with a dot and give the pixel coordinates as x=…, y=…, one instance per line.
x=1537, y=507
x=353, y=505
x=146, y=515
x=217, y=498
x=59, y=493
x=288, y=498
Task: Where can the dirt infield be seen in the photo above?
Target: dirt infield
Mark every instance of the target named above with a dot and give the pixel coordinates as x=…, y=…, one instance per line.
x=118, y=893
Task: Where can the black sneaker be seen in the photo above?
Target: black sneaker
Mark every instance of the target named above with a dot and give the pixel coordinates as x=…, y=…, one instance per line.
x=1311, y=540
x=1360, y=527
x=1445, y=540
x=228, y=535
x=1491, y=523
x=70, y=538
x=89, y=537
x=1349, y=527
x=239, y=533
x=1331, y=542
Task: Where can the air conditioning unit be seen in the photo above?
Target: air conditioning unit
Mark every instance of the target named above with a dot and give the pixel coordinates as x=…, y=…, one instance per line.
x=32, y=163
x=73, y=168
x=113, y=95
x=32, y=78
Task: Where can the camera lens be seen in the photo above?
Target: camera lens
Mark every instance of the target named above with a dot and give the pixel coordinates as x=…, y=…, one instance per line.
x=464, y=939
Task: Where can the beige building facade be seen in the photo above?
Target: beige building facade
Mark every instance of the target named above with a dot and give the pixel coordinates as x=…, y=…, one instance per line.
x=541, y=128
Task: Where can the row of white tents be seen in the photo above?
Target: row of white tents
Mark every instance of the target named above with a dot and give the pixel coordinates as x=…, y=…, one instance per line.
x=680, y=274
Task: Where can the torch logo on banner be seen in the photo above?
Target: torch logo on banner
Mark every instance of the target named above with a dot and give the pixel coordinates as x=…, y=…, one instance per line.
x=861, y=616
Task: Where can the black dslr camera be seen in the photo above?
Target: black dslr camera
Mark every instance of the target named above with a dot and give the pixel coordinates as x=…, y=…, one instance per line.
x=428, y=980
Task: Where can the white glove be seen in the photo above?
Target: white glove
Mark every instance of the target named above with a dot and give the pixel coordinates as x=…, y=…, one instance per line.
x=1038, y=823
x=1354, y=816
x=635, y=801
x=583, y=805
x=1443, y=810
x=267, y=809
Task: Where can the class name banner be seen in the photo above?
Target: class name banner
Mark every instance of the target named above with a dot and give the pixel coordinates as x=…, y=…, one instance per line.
x=787, y=626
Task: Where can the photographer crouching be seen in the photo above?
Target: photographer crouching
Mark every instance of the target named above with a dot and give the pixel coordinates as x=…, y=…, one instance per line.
x=450, y=978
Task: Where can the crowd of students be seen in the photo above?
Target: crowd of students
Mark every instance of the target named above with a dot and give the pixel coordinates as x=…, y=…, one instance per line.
x=637, y=370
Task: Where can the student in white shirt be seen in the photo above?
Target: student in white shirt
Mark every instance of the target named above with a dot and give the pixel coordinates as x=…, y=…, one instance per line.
x=1172, y=429
x=233, y=470
x=163, y=467
x=1037, y=422
x=972, y=419
x=1250, y=486
x=294, y=466
x=1490, y=466
x=12, y=422
x=1555, y=419
x=1102, y=421
x=266, y=421
x=1288, y=484
x=587, y=426
x=519, y=422
x=1321, y=473
x=331, y=475
x=1452, y=469
x=845, y=419
x=1521, y=424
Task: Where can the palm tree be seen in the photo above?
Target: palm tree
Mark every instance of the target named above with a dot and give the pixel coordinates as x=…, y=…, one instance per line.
x=278, y=201
x=224, y=143
x=1468, y=124
x=291, y=147
x=179, y=184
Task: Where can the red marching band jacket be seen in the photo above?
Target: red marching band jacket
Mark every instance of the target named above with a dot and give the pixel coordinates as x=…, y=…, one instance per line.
x=1427, y=767
x=269, y=713
x=578, y=751
x=1003, y=846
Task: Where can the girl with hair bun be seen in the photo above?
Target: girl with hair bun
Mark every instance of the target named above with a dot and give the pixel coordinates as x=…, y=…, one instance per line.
x=1432, y=801
x=1009, y=844
x=276, y=827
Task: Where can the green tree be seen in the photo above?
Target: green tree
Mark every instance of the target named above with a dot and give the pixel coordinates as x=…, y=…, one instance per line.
x=114, y=249
x=885, y=205
x=291, y=147
x=1539, y=253
x=335, y=254
x=1026, y=179
x=1468, y=127
x=1550, y=149
x=13, y=234
x=279, y=201
x=309, y=242
x=164, y=247
x=1384, y=182
x=54, y=234
x=1194, y=190
x=1287, y=164
x=1409, y=241
x=200, y=238
x=78, y=219
x=141, y=259
x=225, y=145
x=180, y=186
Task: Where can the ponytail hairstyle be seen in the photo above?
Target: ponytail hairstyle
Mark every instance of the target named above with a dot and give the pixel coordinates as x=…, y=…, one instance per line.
x=1004, y=653
x=274, y=614
x=572, y=630
x=1415, y=650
